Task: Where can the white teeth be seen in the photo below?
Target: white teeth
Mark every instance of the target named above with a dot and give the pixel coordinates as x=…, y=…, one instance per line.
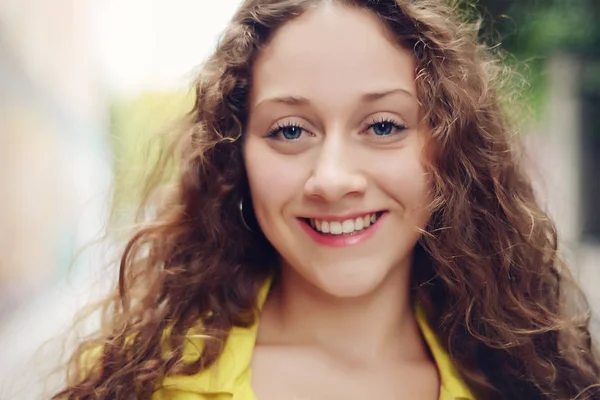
x=358, y=224
x=335, y=227
x=343, y=227
x=348, y=226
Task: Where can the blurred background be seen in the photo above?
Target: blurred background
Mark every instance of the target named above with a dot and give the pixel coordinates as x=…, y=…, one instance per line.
x=85, y=84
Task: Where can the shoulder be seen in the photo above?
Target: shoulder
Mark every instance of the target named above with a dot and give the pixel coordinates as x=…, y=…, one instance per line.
x=228, y=376
x=452, y=384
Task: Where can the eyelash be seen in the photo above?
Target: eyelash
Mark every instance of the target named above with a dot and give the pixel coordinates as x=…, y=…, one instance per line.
x=282, y=125
x=395, y=125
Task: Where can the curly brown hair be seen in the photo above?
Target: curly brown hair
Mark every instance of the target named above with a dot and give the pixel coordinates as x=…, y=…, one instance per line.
x=488, y=270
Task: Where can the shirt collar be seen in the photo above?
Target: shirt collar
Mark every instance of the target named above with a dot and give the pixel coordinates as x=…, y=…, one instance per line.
x=232, y=369
x=452, y=385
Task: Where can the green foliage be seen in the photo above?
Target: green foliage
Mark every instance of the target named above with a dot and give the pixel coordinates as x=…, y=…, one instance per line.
x=557, y=25
x=137, y=124
x=534, y=30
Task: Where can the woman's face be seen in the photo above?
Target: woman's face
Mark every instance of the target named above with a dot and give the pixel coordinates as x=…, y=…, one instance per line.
x=333, y=150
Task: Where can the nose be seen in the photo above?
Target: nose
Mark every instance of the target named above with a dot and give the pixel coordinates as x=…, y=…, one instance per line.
x=336, y=171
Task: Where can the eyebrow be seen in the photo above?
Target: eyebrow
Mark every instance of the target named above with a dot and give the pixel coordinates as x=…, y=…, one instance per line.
x=365, y=98
x=370, y=97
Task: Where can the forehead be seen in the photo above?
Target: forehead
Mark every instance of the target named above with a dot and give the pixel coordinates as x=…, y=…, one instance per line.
x=332, y=52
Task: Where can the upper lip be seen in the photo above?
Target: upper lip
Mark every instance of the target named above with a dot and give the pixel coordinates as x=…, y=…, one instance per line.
x=340, y=217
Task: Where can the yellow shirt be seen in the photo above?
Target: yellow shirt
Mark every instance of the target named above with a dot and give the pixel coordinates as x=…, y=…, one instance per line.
x=230, y=377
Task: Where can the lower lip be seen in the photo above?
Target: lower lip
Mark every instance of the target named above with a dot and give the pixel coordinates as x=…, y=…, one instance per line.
x=342, y=240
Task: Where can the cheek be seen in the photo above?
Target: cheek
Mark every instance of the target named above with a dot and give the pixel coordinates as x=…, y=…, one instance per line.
x=274, y=180
x=405, y=179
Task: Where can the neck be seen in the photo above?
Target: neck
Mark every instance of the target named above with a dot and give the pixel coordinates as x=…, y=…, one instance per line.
x=369, y=328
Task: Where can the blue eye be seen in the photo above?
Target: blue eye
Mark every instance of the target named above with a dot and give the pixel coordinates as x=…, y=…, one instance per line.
x=382, y=128
x=385, y=127
x=286, y=132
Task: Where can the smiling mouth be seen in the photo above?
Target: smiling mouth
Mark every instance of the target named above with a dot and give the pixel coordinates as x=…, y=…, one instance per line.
x=352, y=226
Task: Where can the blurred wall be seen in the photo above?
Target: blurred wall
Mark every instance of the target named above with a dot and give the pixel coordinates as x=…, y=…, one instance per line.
x=65, y=65
x=55, y=172
x=562, y=170
x=52, y=127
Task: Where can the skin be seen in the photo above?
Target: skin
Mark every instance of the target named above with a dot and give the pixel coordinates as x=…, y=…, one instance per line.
x=340, y=323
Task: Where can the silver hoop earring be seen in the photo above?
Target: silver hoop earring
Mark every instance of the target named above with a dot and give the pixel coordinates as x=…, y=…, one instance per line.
x=244, y=223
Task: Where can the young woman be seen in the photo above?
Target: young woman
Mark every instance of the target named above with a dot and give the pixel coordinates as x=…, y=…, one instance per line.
x=349, y=221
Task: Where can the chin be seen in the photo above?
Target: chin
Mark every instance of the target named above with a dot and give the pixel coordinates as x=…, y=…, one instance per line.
x=349, y=285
